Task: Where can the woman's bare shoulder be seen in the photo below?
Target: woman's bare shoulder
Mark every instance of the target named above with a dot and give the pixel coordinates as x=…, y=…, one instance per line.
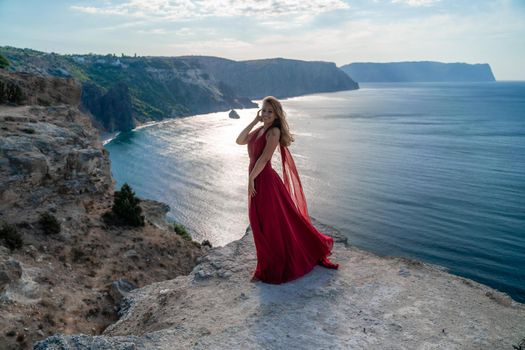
x=275, y=131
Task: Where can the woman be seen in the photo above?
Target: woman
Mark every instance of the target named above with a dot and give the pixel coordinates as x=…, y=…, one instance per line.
x=287, y=244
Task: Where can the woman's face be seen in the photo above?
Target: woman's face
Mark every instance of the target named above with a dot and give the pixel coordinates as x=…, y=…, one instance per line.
x=267, y=113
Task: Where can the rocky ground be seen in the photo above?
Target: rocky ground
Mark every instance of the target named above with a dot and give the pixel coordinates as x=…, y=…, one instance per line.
x=52, y=161
x=371, y=302
x=66, y=283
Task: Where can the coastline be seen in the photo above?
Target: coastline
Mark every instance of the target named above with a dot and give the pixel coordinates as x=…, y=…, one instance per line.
x=107, y=137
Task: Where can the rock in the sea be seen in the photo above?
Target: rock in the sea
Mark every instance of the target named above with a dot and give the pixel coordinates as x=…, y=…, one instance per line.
x=233, y=114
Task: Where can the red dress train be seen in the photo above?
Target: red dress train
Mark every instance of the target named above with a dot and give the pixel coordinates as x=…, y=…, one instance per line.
x=287, y=244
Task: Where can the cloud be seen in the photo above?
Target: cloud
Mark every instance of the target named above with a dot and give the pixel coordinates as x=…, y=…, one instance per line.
x=211, y=47
x=184, y=31
x=153, y=31
x=85, y=9
x=125, y=25
x=416, y=2
x=194, y=9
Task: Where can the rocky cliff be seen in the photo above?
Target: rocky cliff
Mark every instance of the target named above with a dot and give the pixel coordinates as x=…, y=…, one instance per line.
x=113, y=109
x=418, y=72
x=134, y=89
x=52, y=162
x=121, y=92
x=370, y=302
x=278, y=76
x=49, y=149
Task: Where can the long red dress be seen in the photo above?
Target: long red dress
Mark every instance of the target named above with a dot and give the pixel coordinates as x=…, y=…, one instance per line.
x=287, y=244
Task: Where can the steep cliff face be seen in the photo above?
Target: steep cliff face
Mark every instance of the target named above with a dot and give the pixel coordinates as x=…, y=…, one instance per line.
x=418, y=72
x=52, y=161
x=158, y=87
x=278, y=77
x=112, y=110
x=29, y=89
x=51, y=151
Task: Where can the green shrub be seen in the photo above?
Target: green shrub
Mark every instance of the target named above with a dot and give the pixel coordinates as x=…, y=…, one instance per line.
x=4, y=63
x=181, y=231
x=77, y=255
x=10, y=237
x=10, y=93
x=16, y=95
x=49, y=224
x=125, y=210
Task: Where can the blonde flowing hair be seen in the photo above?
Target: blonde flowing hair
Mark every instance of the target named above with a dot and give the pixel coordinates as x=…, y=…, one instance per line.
x=286, y=138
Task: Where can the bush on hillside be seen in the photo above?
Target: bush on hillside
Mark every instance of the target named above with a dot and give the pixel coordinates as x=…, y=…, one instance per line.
x=4, y=63
x=181, y=231
x=10, y=237
x=49, y=224
x=10, y=93
x=125, y=210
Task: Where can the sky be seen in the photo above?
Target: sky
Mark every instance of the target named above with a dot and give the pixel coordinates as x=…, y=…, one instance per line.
x=340, y=31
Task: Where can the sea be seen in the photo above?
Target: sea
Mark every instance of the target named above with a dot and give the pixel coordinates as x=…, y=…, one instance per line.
x=429, y=171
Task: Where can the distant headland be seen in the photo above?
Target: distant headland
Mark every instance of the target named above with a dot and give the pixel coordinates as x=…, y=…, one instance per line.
x=424, y=71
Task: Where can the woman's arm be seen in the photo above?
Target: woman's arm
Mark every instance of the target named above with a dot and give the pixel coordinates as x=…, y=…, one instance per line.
x=271, y=145
x=242, y=139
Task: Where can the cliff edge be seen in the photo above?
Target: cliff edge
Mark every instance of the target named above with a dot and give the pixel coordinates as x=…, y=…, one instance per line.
x=370, y=302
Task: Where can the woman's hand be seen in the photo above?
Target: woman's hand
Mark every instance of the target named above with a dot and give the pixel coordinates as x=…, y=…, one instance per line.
x=251, y=187
x=243, y=138
x=258, y=117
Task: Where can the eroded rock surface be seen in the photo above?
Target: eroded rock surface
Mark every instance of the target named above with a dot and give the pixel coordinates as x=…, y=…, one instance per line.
x=370, y=302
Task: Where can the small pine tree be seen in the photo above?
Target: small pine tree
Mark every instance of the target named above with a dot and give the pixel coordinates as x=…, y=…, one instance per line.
x=50, y=224
x=181, y=231
x=3, y=93
x=126, y=209
x=15, y=94
x=4, y=63
x=10, y=237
